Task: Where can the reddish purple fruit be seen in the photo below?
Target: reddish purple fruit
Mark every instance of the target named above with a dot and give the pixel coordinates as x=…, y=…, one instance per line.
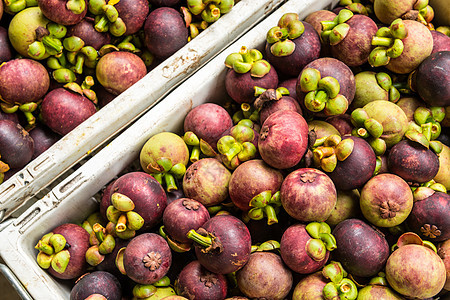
x=441, y=42
x=284, y=103
x=165, y=32
x=99, y=283
x=264, y=276
x=283, y=139
x=293, y=248
x=61, y=12
x=208, y=121
x=413, y=162
x=147, y=258
x=85, y=30
x=182, y=215
x=118, y=70
x=43, y=139
x=361, y=249
x=16, y=144
x=196, y=282
x=222, y=244
x=133, y=13
x=6, y=50
x=63, y=110
x=308, y=194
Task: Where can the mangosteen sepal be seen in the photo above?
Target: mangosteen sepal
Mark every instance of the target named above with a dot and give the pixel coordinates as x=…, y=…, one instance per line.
x=76, y=6
x=143, y=291
x=269, y=245
x=206, y=240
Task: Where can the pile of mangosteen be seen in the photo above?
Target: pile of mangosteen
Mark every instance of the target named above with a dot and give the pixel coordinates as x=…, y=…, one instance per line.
x=324, y=175
x=61, y=61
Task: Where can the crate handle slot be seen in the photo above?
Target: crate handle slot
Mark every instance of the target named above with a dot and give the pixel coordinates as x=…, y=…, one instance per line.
x=43, y=163
x=69, y=186
x=270, y=6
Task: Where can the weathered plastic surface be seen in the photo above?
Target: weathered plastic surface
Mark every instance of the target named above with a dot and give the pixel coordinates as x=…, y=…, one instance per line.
x=73, y=199
x=128, y=106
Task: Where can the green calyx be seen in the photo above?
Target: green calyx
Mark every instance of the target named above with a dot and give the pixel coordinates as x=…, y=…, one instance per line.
x=266, y=96
x=327, y=152
x=121, y=214
x=209, y=10
x=334, y=31
x=198, y=146
x=237, y=147
x=206, y=240
x=427, y=189
x=269, y=245
x=321, y=240
x=369, y=129
x=388, y=43
x=53, y=252
x=107, y=18
x=289, y=28
x=76, y=6
x=157, y=290
x=48, y=41
x=15, y=6
x=385, y=82
x=265, y=205
x=247, y=111
x=173, y=244
x=165, y=172
x=427, y=127
x=322, y=93
x=248, y=60
x=339, y=287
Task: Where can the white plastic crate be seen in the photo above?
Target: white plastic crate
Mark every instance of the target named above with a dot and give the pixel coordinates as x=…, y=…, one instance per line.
x=127, y=107
x=74, y=198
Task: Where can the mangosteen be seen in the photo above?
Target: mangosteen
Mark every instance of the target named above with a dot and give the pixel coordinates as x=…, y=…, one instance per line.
x=264, y=276
x=361, y=249
x=291, y=85
x=347, y=207
x=133, y=14
x=350, y=36
x=444, y=254
x=326, y=86
x=6, y=50
x=182, y=215
x=116, y=71
x=415, y=270
x=62, y=251
x=413, y=162
x=387, y=11
x=429, y=216
x=386, y=200
x=165, y=32
x=373, y=86
x=62, y=110
x=443, y=175
x=247, y=70
x=222, y=244
x=441, y=42
x=207, y=181
x=43, y=138
x=430, y=77
x=310, y=287
x=271, y=101
x=147, y=258
x=249, y=184
x=137, y=202
x=196, y=282
x=16, y=145
x=85, y=30
x=291, y=45
x=283, y=139
x=97, y=283
x=305, y=248
x=373, y=291
x=208, y=122
x=308, y=194
x=64, y=12
x=322, y=129
x=165, y=156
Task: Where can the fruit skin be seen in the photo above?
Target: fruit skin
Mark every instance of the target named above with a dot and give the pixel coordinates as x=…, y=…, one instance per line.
x=208, y=121
x=165, y=32
x=236, y=242
x=85, y=30
x=250, y=179
x=347, y=207
x=240, y=87
x=57, y=11
x=308, y=195
x=429, y=217
x=361, y=249
x=443, y=175
x=367, y=89
x=357, y=168
x=415, y=271
x=264, y=275
x=310, y=287
x=293, y=250
x=151, y=249
x=283, y=139
x=97, y=282
x=23, y=80
x=63, y=110
x=16, y=144
x=78, y=239
x=444, y=254
x=207, y=181
x=43, y=139
x=430, y=77
x=195, y=282
x=355, y=48
x=386, y=200
x=378, y=292
x=5, y=46
x=133, y=13
x=284, y=103
x=418, y=45
x=307, y=49
x=441, y=42
x=413, y=162
x=118, y=70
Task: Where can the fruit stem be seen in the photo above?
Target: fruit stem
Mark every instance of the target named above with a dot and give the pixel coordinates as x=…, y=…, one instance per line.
x=204, y=241
x=170, y=182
